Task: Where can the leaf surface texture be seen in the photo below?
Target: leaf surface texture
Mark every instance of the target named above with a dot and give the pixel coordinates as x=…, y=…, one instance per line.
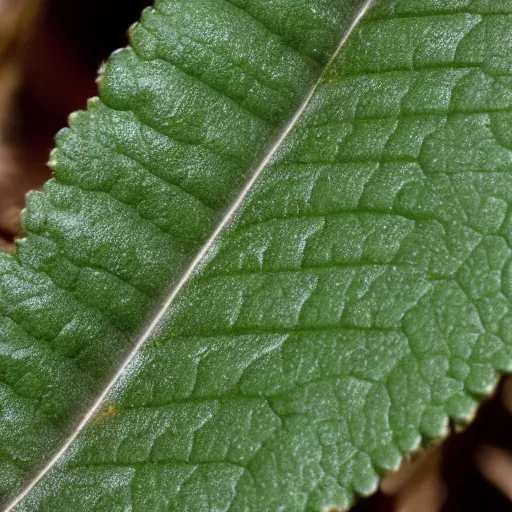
x=359, y=300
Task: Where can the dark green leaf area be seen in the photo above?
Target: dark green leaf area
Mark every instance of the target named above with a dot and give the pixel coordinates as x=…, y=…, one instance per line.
x=141, y=178
x=359, y=301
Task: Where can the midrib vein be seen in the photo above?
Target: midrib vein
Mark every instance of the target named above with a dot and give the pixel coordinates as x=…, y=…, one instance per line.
x=191, y=270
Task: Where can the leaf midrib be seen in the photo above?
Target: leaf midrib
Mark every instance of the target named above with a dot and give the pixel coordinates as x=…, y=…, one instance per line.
x=200, y=259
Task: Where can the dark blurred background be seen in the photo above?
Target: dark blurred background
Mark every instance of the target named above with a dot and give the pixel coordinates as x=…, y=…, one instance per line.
x=70, y=41
x=49, y=54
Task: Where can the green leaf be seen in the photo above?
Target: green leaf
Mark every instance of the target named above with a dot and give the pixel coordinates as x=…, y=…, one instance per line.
x=141, y=180
x=354, y=298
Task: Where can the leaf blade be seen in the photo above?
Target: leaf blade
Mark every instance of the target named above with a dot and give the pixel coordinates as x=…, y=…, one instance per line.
x=356, y=303
x=79, y=287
